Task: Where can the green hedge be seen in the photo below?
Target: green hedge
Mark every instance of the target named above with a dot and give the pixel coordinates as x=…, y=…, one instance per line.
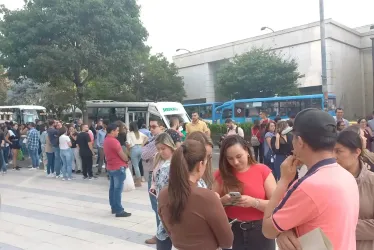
x=221, y=128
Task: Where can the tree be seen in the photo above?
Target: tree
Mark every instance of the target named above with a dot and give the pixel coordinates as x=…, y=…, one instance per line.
x=55, y=98
x=258, y=73
x=72, y=41
x=158, y=80
x=4, y=86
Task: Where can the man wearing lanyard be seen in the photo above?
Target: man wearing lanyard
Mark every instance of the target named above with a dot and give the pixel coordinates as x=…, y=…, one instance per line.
x=326, y=197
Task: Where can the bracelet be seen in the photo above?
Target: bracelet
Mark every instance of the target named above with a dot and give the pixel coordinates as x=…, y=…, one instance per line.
x=257, y=203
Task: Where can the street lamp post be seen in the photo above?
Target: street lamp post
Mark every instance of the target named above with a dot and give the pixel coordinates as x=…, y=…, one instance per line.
x=183, y=49
x=323, y=53
x=267, y=28
x=372, y=55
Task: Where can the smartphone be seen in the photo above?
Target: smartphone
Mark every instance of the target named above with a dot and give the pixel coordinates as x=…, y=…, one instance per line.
x=235, y=195
x=153, y=192
x=234, y=220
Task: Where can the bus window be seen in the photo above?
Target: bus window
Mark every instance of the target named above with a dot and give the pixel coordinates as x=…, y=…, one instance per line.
x=289, y=107
x=206, y=111
x=239, y=109
x=311, y=103
x=331, y=104
x=92, y=113
x=226, y=113
x=120, y=114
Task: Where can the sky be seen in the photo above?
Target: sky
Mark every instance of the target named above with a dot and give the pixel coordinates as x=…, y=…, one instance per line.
x=198, y=24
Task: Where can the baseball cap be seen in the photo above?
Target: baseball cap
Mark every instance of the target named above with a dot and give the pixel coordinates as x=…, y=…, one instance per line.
x=315, y=122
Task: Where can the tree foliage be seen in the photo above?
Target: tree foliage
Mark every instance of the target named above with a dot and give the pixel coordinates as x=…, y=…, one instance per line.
x=4, y=86
x=55, y=98
x=72, y=41
x=158, y=80
x=258, y=73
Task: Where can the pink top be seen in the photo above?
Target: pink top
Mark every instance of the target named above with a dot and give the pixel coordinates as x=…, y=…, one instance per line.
x=328, y=200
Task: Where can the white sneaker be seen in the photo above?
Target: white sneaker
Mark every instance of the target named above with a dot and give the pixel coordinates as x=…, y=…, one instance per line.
x=69, y=179
x=57, y=176
x=63, y=179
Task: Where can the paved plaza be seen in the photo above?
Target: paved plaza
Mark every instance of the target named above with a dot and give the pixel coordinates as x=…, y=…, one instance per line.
x=40, y=213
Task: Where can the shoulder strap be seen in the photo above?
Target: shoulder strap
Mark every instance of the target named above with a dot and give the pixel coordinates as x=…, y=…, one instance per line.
x=237, y=129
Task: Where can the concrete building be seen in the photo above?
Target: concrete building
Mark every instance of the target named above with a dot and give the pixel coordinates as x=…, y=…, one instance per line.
x=349, y=63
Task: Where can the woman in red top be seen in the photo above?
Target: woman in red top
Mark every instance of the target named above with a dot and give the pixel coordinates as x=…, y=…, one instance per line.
x=239, y=172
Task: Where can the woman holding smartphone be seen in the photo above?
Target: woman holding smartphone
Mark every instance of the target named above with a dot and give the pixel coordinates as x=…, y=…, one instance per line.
x=245, y=188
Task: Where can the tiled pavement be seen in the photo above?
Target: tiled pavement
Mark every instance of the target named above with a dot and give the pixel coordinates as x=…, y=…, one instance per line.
x=40, y=213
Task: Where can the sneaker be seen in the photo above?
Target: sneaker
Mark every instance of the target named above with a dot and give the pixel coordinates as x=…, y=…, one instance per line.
x=57, y=176
x=79, y=171
x=3, y=172
x=63, y=179
x=33, y=168
x=45, y=170
x=123, y=214
x=85, y=177
x=143, y=179
x=92, y=178
x=69, y=179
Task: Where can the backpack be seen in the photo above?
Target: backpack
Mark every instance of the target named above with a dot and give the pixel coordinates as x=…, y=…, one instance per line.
x=254, y=140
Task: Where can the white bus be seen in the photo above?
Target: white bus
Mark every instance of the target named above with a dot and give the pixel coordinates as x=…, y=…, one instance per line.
x=134, y=111
x=22, y=113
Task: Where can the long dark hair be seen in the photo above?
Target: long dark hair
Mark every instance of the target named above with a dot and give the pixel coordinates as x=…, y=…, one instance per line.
x=229, y=180
x=182, y=164
x=134, y=128
x=206, y=141
x=366, y=155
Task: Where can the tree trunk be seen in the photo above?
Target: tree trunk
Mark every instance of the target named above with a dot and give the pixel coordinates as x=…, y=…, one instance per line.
x=82, y=102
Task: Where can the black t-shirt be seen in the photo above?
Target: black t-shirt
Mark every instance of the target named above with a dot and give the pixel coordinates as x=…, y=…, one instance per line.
x=2, y=138
x=174, y=135
x=83, y=139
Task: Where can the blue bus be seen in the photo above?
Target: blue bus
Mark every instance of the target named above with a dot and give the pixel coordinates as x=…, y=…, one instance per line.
x=247, y=110
x=205, y=110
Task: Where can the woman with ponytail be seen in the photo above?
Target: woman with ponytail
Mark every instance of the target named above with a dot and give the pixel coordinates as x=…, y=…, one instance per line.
x=349, y=152
x=193, y=216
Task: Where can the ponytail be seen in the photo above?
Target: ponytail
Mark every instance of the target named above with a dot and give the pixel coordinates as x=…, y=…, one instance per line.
x=367, y=157
x=182, y=164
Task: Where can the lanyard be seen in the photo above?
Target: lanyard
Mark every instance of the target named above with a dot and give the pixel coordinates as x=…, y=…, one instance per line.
x=310, y=172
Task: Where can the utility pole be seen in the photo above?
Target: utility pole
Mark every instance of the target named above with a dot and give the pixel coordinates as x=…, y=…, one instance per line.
x=323, y=53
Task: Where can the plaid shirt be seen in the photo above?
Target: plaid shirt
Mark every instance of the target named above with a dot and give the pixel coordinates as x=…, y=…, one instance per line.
x=33, y=139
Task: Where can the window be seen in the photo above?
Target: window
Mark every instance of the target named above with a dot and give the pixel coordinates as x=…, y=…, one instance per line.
x=311, y=103
x=286, y=108
x=331, y=104
x=226, y=113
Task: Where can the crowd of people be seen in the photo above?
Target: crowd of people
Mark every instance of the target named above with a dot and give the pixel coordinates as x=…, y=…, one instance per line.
x=259, y=196
x=246, y=204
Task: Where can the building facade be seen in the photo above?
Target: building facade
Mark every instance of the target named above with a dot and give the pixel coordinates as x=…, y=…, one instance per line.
x=349, y=63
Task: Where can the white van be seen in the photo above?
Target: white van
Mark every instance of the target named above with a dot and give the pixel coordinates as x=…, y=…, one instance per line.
x=134, y=111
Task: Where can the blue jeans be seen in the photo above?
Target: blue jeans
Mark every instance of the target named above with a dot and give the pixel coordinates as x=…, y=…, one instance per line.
x=277, y=163
x=117, y=177
x=136, y=154
x=153, y=199
x=67, y=162
x=6, y=154
x=3, y=167
x=57, y=160
x=34, y=154
x=51, y=163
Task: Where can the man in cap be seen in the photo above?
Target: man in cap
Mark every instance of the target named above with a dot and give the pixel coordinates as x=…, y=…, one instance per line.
x=326, y=197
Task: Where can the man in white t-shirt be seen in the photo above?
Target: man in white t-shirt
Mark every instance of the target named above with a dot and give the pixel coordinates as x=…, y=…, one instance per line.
x=233, y=129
